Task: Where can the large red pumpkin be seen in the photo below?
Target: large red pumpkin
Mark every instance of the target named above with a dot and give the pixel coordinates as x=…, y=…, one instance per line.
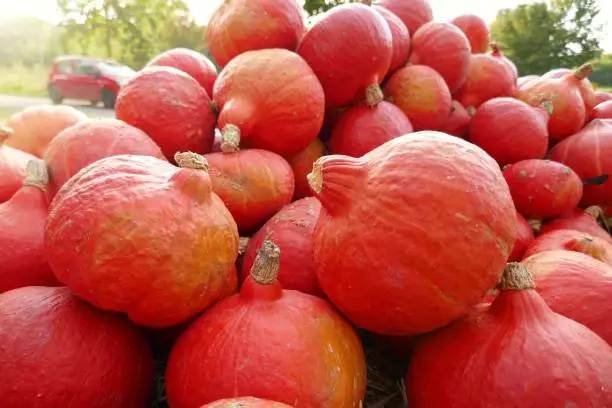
x=510, y=130
x=413, y=13
x=91, y=140
x=589, y=154
x=193, y=63
x=400, y=36
x=572, y=240
x=421, y=93
x=515, y=353
x=488, y=77
x=13, y=164
x=291, y=229
x=245, y=402
x=271, y=99
x=458, y=121
x=576, y=286
x=58, y=351
x=22, y=225
x=361, y=128
x=524, y=238
x=349, y=74
x=476, y=30
x=370, y=225
x=138, y=235
x=315, y=356
x=169, y=106
x=543, y=188
x=244, y=25
x=254, y=184
x=579, y=220
x=301, y=164
x=445, y=48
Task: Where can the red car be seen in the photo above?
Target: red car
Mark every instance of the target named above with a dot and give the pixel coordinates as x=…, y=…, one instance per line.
x=86, y=78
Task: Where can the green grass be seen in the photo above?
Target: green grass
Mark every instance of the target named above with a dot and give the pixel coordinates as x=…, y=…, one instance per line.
x=24, y=81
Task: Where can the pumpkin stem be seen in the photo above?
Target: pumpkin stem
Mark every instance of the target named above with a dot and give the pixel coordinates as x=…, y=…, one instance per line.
x=583, y=71
x=516, y=276
x=547, y=105
x=595, y=211
x=242, y=245
x=586, y=246
x=37, y=174
x=495, y=51
x=5, y=133
x=230, y=139
x=190, y=160
x=315, y=177
x=267, y=264
x=374, y=95
x=536, y=225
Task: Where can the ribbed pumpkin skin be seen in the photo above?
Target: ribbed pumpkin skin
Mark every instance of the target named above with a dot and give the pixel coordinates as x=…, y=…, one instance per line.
x=476, y=30
x=58, y=351
x=576, y=286
x=245, y=402
x=113, y=237
x=231, y=30
x=370, y=226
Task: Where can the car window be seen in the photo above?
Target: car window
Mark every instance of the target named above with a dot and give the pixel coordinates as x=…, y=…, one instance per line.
x=65, y=67
x=86, y=68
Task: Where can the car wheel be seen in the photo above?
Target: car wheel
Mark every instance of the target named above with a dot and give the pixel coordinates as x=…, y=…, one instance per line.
x=108, y=99
x=55, y=95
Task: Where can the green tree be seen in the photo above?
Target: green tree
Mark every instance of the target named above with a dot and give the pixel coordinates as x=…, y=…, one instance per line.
x=314, y=7
x=542, y=36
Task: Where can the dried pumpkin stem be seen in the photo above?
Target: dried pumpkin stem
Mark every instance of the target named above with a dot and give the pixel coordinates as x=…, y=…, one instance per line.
x=230, y=139
x=190, y=160
x=242, y=245
x=267, y=264
x=374, y=95
x=536, y=225
x=584, y=71
x=315, y=177
x=37, y=174
x=595, y=211
x=586, y=246
x=495, y=51
x=516, y=276
x=5, y=133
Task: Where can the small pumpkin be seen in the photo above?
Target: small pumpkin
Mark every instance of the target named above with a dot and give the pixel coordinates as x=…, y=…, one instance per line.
x=413, y=13
x=476, y=30
x=400, y=35
x=572, y=240
x=496, y=52
x=488, y=77
x=13, y=164
x=579, y=220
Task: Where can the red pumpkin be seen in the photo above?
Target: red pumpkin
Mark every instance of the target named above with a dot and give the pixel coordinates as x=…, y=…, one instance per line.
x=58, y=351
x=576, y=286
x=390, y=205
x=421, y=93
x=443, y=47
x=12, y=167
x=496, y=52
x=601, y=97
x=572, y=240
x=579, y=220
x=587, y=90
x=316, y=356
x=515, y=353
x=361, y=129
x=245, y=402
x=254, y=184
x=151, y=240
x=291, y=229
x=569, y=110
x=488, y=77
x=458, y=121
x=169, y=106
x=231, y=30
x=22, y=224
x=543, y=188
x=89, y=141
x=267, y=110
x=476, y=30
x=589, y=154
x=510, y=130
x=400, y=36
x=524, y=238
x=193, y=63
x=349, y=74
x=602, y=111
x=413, y=13
x=301, y=164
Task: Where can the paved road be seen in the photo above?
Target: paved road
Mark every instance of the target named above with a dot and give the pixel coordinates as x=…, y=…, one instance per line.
x=20, y=102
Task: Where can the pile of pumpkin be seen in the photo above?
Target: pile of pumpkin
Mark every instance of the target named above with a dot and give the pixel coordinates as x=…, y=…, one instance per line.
x=458, y=221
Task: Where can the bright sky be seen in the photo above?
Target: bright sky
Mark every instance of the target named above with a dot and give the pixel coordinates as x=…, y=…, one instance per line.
x=444, y=10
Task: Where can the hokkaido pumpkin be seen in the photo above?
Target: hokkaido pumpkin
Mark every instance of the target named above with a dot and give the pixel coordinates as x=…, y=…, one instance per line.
x=413, y=13
x=400, y=36
x=476, y=30
x=232, y=29
x=169, y=106
x=291, y=229
x=315, y=356
x=22, y=225
x=301, y=164
x=33, y=128
x=369, y=227
x=136, y=234
x=576, y=286
x=515, y=353
x=58, y=351
x=349, y=74
x=245, y=402
x=488, y=77
x=496, y=52
x=579, y=220
x=572, y=240
x=587, y=90
x=13, y=164
x=92, y=140
x=271, y=100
